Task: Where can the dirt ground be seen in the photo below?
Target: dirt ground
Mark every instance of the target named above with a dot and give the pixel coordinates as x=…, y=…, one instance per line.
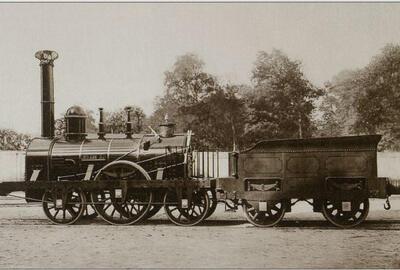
x=226, y=240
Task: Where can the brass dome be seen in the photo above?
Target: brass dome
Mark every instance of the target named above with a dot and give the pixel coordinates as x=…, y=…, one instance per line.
x=75, y=111
x=75, y=124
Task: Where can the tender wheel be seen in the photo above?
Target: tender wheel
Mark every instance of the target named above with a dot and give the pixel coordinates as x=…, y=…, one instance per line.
x=264, y=214
x=345, y=214
x=190, y=214
x=65, y=210
x=213, y=203
x=110, y=205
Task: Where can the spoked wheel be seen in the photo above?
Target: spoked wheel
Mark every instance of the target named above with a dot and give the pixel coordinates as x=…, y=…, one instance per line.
x=264, y=214
x=110, y=205
x=89, y=212
x=345, y=214
x=65, y=209
x=213, y=203
x=186, y=215
x=154, y=209
x=156, y=206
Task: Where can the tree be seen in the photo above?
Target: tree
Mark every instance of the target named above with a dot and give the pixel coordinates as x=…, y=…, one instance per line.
x=11, y=140
x=185, y=85
x=217, y=120
x=378, y=104
x=339, y=104
x=282, y=101
x=115, y=122
x=330, y=123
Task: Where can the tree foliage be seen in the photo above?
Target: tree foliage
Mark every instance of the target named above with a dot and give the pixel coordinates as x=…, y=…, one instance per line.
x=378, y=105
x=330, y=123
x=187, y=84
x=338, y=109
x=217, y=120
x=195, y=100
x=115, y=122
x=11, y=140
x=282, y=102
x=367, y=100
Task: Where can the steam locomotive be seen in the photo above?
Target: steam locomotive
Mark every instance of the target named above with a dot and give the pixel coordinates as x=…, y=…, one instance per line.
x=127, y=178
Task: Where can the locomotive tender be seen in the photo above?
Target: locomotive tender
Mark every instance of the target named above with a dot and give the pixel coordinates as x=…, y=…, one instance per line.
x=127, y=178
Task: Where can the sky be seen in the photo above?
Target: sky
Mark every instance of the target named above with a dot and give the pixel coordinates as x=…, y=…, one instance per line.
x=115, y=54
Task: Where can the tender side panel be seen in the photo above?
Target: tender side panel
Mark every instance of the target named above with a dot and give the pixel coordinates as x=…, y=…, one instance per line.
x=262, y=172
x=305, y=174
x=302, y=171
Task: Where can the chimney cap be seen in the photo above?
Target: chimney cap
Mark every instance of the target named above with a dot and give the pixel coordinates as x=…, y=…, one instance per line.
x=46, y=56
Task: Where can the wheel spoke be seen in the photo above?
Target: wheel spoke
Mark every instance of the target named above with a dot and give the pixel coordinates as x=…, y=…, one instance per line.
x=72, y=211
x=345, y=219
x=107, y=206
x=194, y=211
x=135, y=205
x=274, y=213
x=190, y=216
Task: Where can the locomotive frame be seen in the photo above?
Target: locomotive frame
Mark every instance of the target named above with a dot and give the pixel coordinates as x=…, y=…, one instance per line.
x=129, y=178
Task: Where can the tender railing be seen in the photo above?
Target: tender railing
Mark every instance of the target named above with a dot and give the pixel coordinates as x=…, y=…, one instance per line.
x=210, y=164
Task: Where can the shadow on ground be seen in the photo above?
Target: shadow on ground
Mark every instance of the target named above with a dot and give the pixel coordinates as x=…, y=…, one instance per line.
x=293, y=224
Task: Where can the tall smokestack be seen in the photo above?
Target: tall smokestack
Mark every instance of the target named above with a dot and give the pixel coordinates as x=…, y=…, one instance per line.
x=46, y=69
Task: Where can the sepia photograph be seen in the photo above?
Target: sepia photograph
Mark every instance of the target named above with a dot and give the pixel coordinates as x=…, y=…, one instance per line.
x=200, y=135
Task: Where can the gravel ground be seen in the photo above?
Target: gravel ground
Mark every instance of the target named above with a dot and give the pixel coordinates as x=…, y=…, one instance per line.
x=226, y=240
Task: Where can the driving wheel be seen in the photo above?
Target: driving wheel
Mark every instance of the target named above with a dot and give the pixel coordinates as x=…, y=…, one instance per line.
x=213, y=203
x=89, y=212
x=156, y=206
x=111, y=205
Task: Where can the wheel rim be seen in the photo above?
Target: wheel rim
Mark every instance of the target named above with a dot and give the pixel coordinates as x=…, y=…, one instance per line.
x=137, y=202
x=72, y=210
x=154, y=209
x=273, y=215
x=213, y=203
x=89, y=212
x=356, y=213
x=156, y=206
x=190, y=216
